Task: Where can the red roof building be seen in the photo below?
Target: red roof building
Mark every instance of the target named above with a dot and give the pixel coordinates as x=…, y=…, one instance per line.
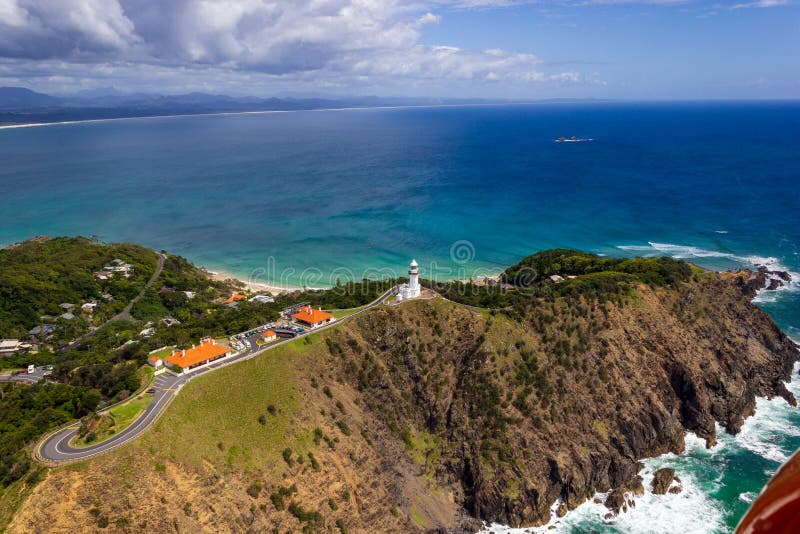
x=311, y=317
x=268, y=336
x=207, y=351
x=235, y=297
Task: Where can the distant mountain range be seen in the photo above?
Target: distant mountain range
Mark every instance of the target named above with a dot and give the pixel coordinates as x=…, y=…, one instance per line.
x=19, y=105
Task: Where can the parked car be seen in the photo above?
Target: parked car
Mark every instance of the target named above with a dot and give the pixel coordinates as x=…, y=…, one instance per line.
x=31, y=369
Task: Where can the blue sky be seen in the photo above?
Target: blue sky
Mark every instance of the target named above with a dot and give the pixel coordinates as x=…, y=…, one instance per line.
x=620, y=49
x=678, y=50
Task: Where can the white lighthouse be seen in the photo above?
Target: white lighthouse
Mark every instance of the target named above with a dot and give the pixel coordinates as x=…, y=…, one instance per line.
x=411, y=290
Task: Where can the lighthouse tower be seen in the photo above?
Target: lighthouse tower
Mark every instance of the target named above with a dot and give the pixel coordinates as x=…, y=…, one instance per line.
x=411, y=290
x=413, y=279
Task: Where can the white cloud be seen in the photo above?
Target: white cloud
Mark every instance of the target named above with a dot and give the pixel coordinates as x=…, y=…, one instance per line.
x=67, y=28
x=760, y=3
x=311, y=43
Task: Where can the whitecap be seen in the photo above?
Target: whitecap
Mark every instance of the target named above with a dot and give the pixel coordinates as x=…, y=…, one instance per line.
x=692, y=510
x=748, y=496
x=750, y=261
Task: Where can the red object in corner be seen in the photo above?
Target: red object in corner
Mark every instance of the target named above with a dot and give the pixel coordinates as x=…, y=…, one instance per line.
x=777, y=509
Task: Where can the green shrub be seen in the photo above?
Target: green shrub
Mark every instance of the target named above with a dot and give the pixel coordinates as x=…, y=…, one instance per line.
x=303, y=515
x=343, y=427
x=254, y=489
x=314, y=462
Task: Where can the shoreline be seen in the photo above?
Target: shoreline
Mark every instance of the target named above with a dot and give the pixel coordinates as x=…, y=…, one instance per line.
x=256, y=287
x=265, y=112
x=222, y=276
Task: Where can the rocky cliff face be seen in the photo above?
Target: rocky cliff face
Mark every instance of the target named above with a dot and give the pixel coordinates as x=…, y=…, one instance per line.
x=562, y=402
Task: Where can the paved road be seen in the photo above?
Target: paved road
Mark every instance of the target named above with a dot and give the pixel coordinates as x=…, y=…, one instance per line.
x=55, y=447
x=125, y=314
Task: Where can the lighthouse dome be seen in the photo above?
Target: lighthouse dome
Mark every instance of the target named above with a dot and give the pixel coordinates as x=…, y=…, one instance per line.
x=413, y=264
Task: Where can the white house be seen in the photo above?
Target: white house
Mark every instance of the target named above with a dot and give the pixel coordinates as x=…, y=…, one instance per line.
x=9, y=346
x=269, y=336
x=412, y=289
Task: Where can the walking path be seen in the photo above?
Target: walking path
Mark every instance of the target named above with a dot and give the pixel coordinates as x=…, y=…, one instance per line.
x=54, y=447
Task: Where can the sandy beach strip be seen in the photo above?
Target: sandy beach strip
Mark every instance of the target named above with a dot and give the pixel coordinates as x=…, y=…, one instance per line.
x=255, y=287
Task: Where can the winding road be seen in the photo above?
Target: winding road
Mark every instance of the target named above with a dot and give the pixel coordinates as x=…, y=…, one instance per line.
x=125, y=314
x=55, y=449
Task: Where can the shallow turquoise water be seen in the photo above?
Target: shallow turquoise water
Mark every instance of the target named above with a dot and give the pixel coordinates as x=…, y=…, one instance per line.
x=310, y=197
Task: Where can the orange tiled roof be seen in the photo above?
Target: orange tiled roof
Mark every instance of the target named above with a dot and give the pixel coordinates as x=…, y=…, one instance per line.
x=234, y=298
x=307, y=314
x=154, y=358
x=206, y=350
x=269, y=333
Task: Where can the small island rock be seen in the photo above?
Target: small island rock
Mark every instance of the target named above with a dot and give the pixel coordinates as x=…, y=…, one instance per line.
x=662, y=480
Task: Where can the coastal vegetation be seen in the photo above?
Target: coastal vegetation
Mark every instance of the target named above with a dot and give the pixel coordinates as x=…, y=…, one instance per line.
x=39, y=275
x=558, y=273
x=421, y=415
x=28, y=411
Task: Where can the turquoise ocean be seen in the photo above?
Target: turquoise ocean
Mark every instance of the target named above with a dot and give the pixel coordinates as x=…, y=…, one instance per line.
x=306, y=198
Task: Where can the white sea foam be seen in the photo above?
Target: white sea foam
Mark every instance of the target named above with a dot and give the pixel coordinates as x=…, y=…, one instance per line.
x=692, y=510
x=689, y=511
x=750, y=261
x=748, y=496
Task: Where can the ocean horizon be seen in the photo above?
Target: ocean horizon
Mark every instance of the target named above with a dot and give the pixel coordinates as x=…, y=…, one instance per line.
x=306, y=198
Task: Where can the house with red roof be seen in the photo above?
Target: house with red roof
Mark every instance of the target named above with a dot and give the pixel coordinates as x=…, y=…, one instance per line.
x=206, y=352
x=269, y=336
x=313, y=318
x=234, y=298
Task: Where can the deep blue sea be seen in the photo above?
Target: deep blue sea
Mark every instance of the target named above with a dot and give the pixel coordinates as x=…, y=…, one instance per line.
x=304, y=198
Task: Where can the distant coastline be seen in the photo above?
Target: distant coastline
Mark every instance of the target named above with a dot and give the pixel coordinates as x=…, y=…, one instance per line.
x=274, y=111
x=21, y=107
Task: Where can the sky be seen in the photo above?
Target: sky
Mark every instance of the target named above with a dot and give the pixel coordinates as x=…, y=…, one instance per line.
x=618, y=49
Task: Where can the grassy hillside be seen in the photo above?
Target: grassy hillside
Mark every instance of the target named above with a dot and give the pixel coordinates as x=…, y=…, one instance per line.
x=38, y=275
x=272, y=442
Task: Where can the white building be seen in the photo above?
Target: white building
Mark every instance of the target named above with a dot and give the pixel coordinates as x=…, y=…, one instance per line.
x=9, y=346
x=411, y=290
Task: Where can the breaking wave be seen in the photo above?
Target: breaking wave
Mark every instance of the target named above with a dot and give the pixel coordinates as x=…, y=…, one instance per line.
x=772, y=433
x=689, y=252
